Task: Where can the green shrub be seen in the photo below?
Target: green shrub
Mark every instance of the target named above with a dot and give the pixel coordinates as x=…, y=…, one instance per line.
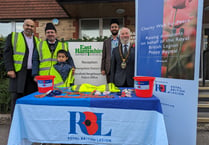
x=5, y=98
x=3, y=71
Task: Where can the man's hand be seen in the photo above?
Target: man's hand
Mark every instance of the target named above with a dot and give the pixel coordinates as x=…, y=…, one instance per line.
x=11, y=74
x=103, y=72
x=73, y=70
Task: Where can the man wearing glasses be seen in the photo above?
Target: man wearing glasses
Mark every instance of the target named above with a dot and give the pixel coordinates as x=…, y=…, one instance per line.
x=108, y=46
x=45, y=56
x=18, y=62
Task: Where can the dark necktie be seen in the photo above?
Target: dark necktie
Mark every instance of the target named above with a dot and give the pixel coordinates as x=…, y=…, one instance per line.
x=125, y=51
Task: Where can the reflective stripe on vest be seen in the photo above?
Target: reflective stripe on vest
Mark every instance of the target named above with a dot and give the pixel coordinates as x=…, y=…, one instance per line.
x=107, y=88
x=46, y=58
x=58, y=84
x=49, y=59
x=77, y=88
x=45, y=68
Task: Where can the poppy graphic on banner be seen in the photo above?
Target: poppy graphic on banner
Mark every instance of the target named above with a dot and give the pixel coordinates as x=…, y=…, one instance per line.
x=179, y=39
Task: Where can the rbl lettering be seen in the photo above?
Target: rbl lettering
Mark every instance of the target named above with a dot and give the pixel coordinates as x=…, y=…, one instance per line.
x=90, y=123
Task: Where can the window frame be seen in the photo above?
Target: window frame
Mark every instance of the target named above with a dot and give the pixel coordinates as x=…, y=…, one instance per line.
x=100, y=25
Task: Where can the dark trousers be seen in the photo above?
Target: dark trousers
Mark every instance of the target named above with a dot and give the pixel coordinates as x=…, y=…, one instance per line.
x=126, y=85
x=30, y=87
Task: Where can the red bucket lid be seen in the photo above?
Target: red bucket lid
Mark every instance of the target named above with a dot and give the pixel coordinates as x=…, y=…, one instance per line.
x=46, y=77
x=144, y=78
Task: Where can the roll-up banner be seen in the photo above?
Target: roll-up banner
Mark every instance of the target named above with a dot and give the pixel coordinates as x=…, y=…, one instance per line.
x=168, y=40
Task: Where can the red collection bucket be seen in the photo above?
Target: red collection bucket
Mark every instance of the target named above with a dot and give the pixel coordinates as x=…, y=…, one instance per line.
x=144, y=86
x=45, y=83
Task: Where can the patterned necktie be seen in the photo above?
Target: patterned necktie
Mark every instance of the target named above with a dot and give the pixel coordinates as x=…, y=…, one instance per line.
x=125, y=51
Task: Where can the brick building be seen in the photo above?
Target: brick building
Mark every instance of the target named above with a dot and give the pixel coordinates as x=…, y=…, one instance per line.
x=79, y=18
x=73, y=18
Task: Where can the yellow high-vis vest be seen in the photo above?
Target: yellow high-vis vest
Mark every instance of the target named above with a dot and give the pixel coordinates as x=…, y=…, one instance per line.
x=48, y=59
x=90, y=88
x=19, y=49
x=58, y=81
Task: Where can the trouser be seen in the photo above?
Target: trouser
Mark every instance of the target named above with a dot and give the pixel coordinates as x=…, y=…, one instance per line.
x=14, y=96
x=126, y=85
x=30, y=84
x=30, y=87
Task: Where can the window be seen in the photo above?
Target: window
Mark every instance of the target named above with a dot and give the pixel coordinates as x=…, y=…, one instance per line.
x=8, y=27
x=19, y=26
x=96, y=27
x=89, y=28
x=5, y=28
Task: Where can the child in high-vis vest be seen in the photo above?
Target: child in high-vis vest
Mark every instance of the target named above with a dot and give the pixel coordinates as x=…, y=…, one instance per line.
x=62, y=70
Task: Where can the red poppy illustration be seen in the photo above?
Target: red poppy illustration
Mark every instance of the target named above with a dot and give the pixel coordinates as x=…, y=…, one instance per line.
x=180, y=4
x=178, y=12
x=179, y=37
x=91, y=123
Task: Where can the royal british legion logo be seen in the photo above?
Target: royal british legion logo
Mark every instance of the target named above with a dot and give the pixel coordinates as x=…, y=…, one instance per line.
x=160, y=87
x=90, y=123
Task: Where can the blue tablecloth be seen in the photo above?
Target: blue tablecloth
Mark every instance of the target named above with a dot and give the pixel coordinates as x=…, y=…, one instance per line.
x=115, y=121
x=152, y=103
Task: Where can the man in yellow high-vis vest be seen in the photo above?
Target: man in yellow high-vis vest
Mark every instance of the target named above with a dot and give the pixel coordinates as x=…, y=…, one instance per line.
x=18, y=61
x=45, y=56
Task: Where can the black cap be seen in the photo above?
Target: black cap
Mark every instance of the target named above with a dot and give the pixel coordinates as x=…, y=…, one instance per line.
x=50, y=26
x=114, y=21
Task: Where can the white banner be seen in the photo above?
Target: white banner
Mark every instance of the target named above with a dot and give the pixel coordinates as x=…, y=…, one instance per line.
x=87, y=58
x=168, y=48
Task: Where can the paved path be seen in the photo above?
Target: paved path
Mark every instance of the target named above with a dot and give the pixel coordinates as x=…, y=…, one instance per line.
x=4, y=128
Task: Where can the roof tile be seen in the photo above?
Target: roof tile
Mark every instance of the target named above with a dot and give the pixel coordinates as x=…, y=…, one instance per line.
x=21, y=9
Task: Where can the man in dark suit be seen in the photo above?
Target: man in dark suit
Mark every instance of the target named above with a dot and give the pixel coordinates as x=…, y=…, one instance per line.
x=18, y=62
x=108, y=46
x=123, y=61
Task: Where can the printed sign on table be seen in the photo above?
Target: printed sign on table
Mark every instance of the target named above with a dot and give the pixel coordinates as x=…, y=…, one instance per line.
x=87, y=58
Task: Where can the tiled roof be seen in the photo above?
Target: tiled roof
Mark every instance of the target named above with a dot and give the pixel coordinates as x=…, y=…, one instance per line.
x=36, y=9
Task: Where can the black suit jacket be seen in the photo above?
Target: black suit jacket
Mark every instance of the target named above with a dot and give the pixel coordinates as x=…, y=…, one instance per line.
x=17, y=84
x=121, y=76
